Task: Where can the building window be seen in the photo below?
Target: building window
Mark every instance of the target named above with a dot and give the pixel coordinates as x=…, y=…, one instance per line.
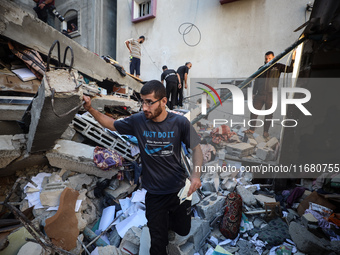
x=72, y=20
x=143, y=10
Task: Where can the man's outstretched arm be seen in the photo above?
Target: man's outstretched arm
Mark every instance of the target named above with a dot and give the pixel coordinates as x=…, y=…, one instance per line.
x=197, y=158
x=103, y=120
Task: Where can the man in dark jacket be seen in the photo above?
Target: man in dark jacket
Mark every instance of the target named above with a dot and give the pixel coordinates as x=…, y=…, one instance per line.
x=263, y=87
x=183, y=72
x=172, y=81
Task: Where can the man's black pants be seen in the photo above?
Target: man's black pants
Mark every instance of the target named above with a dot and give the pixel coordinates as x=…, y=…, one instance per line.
x=164, y=213
x=171, y=89
x=180, y=95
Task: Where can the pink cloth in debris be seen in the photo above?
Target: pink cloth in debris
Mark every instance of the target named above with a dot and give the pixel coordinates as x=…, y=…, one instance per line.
x=106, y=159
x=221, y=133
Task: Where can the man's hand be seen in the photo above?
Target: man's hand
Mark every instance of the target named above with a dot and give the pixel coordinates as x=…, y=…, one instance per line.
x=42, y=5
x=186, y=86
x=87, y=104
x=179, y=85
x=195, y=184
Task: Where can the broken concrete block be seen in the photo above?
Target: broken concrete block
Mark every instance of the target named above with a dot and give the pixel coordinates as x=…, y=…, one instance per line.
x=77, y=181
x=229, y=184
x=240, y=149
x=221, y=154
x=12, y=112
x=8, y=152
x=46, y=127
x=247, y=197
x=260, y=139
x=265, y=154
x=191, y=243
x=264, y=199
x=107, y=100
x=261, y=145
x=210, y=182
x=51, y=192
x=210, y=206
x=122, y=191
x=131, y=241
x=252, y=142
x=272, y=143
x=107, y=250
x=76, y=157
x=62, y=228
x=307, y=242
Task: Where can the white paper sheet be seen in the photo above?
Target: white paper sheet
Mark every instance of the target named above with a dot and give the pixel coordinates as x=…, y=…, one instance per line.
x=138, y=196
x=137, y=219
x=107, y=217
x=125, y=204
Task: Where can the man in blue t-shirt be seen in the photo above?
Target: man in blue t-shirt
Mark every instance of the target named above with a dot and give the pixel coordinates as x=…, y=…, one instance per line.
x=159, y=134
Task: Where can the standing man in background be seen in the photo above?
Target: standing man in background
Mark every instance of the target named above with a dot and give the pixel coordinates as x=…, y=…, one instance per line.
x=172, y=81
x=134, y=47
x=44, y=11
x=183, y=72
x=263, y=90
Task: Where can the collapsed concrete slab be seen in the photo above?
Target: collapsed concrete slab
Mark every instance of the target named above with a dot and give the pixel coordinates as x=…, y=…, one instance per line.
x=8, y=152
x=48, y=118
x=24, y=28
x=240, y=149
x=76, y=157
x=100, y=102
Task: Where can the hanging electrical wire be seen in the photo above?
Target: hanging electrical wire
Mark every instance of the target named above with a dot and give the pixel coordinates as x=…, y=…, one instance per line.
x=187, y=30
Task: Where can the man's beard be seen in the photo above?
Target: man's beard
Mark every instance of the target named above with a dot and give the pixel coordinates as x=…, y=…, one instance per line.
x=157, y=112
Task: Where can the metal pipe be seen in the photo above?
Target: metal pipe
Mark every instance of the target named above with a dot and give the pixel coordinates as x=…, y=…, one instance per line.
x=252, y=77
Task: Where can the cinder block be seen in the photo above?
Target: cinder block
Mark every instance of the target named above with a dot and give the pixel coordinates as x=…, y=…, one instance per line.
x=265, y=154
x=8, y=152
x=46, y=127
x=191, y=243
x=210, y=182
x=50, y=195
x=101, y=137
x=210, y=206
x=272, y=143
x=240, y=149
x=76, y=157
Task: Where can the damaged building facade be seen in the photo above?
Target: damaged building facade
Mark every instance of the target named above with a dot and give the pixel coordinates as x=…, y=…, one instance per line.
x=58, y=195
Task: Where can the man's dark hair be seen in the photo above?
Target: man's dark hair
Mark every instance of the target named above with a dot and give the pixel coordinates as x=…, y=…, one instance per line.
x=142, y=37
x=187, y=63
x=164, y=68
x=154, y=86
x=269, y=53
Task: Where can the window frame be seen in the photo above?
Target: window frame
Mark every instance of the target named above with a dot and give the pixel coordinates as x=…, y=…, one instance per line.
x=135, y=18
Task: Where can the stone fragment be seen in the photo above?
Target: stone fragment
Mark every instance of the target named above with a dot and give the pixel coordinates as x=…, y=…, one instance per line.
x=260, y=139
x=108, y=250
x=308, y=218
x=8, y=152
x=62, y=228
x=247, y=197
x=307, y=242
x=131, y=241
x=76, y=157
x=265, y=154
x=77, y=181
x=252, y=142
x=68, y=134
x=210, y=206
x=229, y=184
x=272, y=143
x=114, y=238
x=240, y=149
x=264, y=199
x=261, y=145
x=16, y=240
x=122, y=191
